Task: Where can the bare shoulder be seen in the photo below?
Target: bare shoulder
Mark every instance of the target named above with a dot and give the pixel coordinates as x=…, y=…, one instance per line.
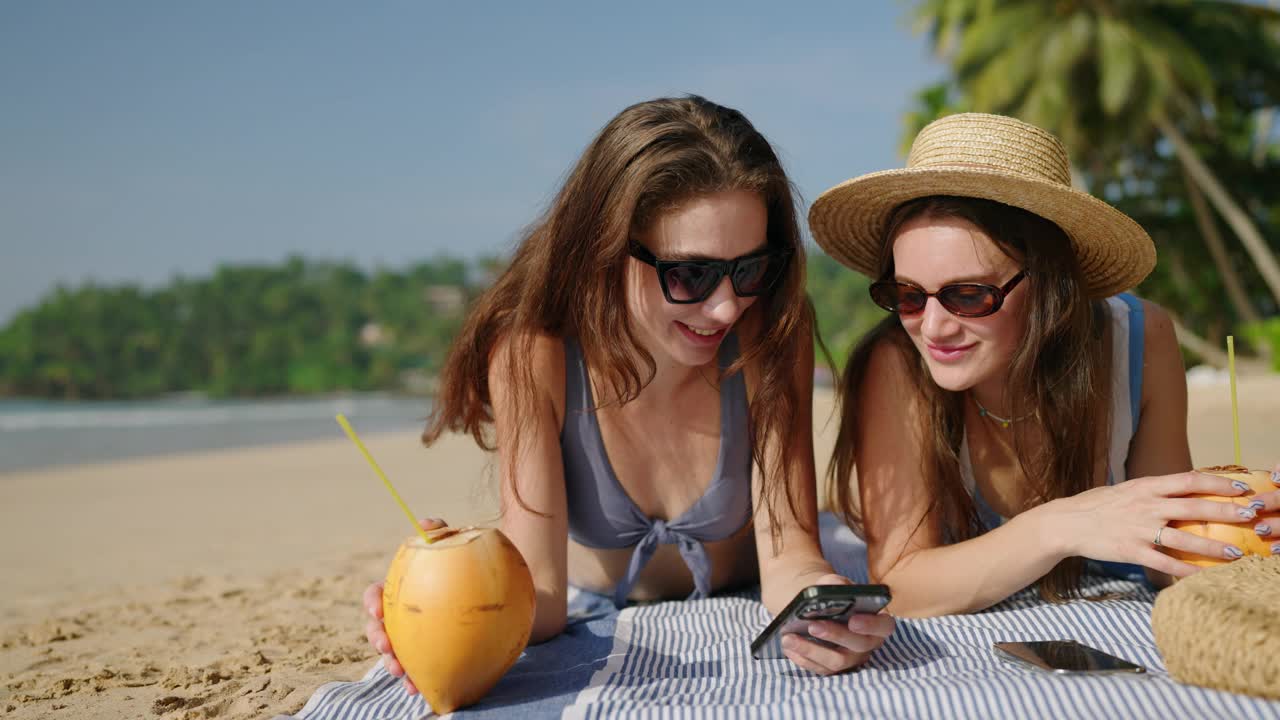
x=1160, y=341
x=542, y=353
x=886, y=400
x=887, y=369
x=1158, y=327
x=1162, y=359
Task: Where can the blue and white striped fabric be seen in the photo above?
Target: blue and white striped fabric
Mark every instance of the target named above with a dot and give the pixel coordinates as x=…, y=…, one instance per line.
x=691, y=659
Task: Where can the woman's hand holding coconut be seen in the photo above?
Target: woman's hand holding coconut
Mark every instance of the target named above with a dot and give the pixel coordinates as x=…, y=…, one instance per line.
x=1254, y=531
x=1270, y=503
x=377, y=633
x=1122, y=523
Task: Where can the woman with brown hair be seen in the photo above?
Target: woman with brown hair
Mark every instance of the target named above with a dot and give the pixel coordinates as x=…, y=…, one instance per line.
x=994, y=417
x=644, y=370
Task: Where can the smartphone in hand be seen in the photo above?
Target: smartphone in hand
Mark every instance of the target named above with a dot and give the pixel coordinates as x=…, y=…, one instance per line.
x=818, y=602
x=1064, y=657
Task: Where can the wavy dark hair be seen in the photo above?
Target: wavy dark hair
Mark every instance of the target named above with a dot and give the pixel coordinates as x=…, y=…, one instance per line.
x=566, y=276
x=1061, y=373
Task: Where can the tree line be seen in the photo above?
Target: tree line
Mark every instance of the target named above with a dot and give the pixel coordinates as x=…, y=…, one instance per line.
x=300, y=327
x=297, y=327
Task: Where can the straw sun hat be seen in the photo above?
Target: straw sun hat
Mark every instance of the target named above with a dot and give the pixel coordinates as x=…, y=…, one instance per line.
x=995, y=158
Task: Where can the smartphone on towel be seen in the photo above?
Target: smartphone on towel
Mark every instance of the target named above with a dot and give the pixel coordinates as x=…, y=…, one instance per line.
x=1064, y=657
x=836, y=603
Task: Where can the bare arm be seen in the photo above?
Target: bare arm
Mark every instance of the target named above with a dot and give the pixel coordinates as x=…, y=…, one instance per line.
x=540, y=529
x=796, y=561
x=1159, y=447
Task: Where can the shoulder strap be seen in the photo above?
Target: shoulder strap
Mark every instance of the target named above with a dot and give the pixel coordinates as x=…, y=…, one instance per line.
x=1137, y=335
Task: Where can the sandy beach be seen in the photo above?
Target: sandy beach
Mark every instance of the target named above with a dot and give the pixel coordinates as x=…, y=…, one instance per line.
x=227, y=584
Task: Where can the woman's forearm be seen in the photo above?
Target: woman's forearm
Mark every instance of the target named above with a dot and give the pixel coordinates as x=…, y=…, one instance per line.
x=794, y=563
x=549, y=617
x=787, y=577
x=974, y=574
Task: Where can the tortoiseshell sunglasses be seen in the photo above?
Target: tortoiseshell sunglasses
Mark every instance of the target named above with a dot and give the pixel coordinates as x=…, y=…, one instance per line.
x=971, y=300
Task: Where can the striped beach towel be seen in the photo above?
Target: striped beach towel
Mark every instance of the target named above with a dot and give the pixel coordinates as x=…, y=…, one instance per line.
x=690, y=659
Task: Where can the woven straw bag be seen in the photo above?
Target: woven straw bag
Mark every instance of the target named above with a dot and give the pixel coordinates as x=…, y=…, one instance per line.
x=1219, y=628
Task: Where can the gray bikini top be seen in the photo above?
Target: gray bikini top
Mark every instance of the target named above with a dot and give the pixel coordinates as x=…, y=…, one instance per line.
x=602, y=515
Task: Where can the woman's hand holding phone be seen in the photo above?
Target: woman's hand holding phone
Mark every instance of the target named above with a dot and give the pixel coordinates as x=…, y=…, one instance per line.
x=839, y=646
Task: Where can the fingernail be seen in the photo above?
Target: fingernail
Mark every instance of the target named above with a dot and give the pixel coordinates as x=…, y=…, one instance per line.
x=1246, y=513
x=1263, y=529
x=817, y=630
x=1234, y=553
x=1256, y=505
x=1240, y=485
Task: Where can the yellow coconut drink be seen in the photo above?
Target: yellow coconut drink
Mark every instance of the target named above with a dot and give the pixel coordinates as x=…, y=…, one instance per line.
x=1239, y=534
x=458, y=612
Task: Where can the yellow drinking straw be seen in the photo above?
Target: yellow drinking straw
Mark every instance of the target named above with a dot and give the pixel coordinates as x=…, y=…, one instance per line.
x=1235, y=413
x=351, y=433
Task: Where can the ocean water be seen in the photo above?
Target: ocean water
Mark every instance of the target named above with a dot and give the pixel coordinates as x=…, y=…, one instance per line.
x=36, y=434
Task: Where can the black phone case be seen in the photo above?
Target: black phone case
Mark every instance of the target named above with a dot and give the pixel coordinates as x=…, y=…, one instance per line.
x=818, y=602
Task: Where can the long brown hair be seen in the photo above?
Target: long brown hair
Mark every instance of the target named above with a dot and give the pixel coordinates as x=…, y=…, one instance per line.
x=566, y=277
x=1061, y=373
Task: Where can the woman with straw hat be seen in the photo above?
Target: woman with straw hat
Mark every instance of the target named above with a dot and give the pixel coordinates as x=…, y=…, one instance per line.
x=994, y=418
x=644, y=370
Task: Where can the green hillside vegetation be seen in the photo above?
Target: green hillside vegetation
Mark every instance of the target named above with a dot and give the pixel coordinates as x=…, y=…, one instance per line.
x=299, y=327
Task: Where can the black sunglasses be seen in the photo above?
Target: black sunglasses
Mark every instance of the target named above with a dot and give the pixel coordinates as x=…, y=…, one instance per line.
x=691, y=281
x=962, y=299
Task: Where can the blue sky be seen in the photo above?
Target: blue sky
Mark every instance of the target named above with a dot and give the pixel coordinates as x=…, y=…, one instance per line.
x=143, y=139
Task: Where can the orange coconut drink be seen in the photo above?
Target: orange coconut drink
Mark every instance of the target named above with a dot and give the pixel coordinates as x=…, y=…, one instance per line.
x=457, y=605
x=458, y=611
x=1239, y=534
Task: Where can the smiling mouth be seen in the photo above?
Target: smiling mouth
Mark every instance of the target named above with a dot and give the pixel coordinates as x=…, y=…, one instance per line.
x=702, y=332
x=950, y=353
